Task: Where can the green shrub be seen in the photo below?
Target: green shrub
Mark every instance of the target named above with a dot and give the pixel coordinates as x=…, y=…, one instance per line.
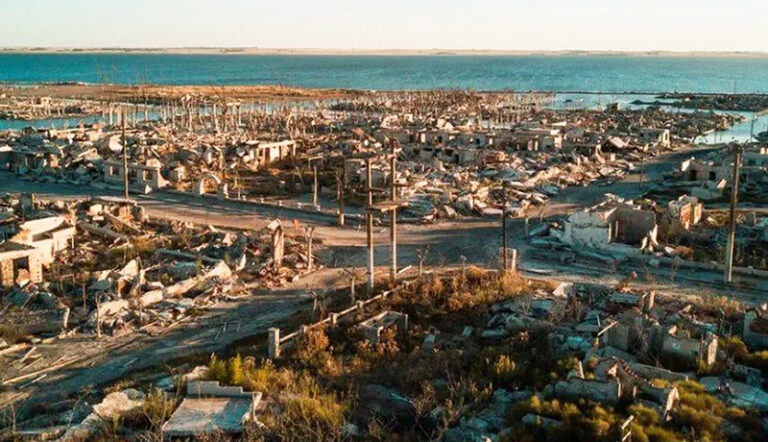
x=659, y=434
x=503, y=369
x=157, y=408
x=217, y=369
x=644, y=416
x=700, y=411
x=235, y=371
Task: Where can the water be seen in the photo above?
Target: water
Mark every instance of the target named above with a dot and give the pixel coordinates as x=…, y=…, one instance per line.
x=601, y=73
x=740, y=132
x=621, y=79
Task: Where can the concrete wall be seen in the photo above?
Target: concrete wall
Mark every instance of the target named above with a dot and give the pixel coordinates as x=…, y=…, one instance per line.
x=635, y=225
x=575, y=389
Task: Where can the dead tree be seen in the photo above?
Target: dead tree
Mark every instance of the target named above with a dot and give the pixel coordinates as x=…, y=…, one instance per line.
x=422, y=255
x=309, y=234
x=352, y=275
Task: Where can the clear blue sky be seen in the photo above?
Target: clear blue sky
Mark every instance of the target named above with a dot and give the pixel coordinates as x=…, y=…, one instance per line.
x=395, y=24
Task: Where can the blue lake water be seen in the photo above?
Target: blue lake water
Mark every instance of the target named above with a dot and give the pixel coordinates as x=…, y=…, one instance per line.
x=614, y=76
x=603, y=73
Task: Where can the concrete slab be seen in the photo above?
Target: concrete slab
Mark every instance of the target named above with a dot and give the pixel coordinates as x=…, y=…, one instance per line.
x=196, y=416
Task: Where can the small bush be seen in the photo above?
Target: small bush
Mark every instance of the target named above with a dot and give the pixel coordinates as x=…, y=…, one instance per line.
x=658, y=434
x=503, y=369
x=217, y=369
x=312, y=349
x=244, y=372
x=700, y=411
x=11, y=335
x=308, y=418
x=235, y=371
x=157, y=408
x=644, y=416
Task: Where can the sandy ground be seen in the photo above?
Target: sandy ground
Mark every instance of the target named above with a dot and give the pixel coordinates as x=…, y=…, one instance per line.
x=161, y=93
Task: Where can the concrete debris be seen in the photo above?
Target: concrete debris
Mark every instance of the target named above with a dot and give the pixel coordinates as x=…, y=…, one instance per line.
x=210, y=408
x=114, y=405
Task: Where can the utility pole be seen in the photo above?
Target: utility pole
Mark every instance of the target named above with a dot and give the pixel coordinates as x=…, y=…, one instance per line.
x=728, y=277
x=314, y=185
x=369, y=221
x=340, y=194
x=125, y=157
x=393, y=227
x=642, y=168
x=504, y=228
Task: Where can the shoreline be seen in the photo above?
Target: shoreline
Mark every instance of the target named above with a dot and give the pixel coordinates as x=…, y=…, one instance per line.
x=94, y=91
x=373, y=52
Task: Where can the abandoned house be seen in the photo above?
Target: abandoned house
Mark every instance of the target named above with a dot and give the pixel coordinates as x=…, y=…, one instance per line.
x=143, y=176
x=612, y=225
x=655, y=137
x=685, y=211
x=34, y=246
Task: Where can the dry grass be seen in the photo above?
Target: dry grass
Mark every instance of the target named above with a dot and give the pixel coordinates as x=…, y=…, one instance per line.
x=11, y=335
x=464, y=291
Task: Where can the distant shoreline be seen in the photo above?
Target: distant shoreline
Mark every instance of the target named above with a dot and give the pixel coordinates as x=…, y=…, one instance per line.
x=373, y=52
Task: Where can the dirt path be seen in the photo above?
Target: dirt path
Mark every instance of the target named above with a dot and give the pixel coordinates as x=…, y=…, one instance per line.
x=101, y=361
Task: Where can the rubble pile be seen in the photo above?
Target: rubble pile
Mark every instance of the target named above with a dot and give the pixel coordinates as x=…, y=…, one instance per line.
x=113, y=270
x=633, y=348
x=21, y=108
x=683, y=230
x=457, y=148
x=729, y=102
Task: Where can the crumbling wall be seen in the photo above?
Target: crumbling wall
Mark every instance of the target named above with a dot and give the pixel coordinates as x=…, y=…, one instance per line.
x=575, y=389
x=635, y=225
x=591, y=229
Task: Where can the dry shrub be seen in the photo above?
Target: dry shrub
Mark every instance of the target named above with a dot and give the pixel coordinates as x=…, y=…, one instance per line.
x=312, y=350
x=245, y=373
x=11, y=335
x=303, y=409
x=463, y=291
x=503, y=369
x=367, y=356
x=715, y=306
x=153, y=413
x=306, y=412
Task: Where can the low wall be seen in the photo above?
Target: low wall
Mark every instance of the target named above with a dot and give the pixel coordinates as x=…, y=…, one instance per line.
x=276, y=341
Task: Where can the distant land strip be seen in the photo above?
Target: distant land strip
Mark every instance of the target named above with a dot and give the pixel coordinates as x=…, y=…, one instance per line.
x=395, y=52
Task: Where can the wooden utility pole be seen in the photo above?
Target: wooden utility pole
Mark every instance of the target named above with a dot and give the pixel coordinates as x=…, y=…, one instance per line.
x=314, y=185
x=504, y=228
x=728, y=277
x=340, y=194
x=125, y=157
x=369, y=221
x=393, y=221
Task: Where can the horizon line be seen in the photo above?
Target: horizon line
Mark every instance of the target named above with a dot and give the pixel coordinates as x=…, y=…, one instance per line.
x=255, y=50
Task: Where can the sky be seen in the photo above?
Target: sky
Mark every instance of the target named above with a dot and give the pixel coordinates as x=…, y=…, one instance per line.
x=605, y=25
